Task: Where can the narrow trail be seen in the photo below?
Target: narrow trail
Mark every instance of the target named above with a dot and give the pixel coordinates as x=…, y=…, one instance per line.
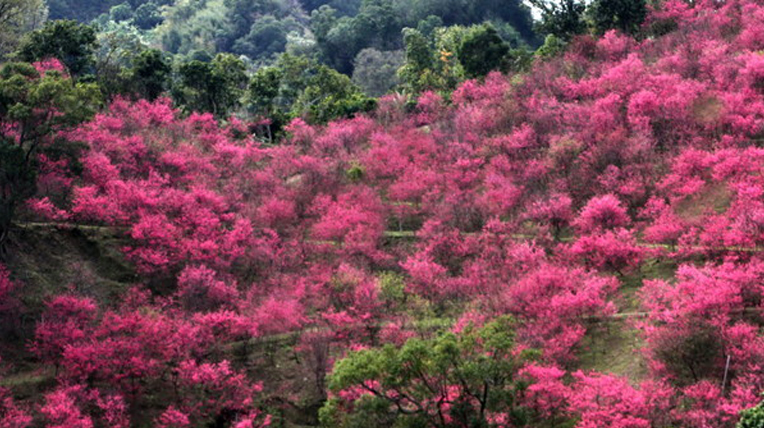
x=407, y=234
x=432, y=324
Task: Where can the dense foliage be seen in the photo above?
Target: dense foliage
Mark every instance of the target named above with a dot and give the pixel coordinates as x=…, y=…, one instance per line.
x=335, y=31
x=36, y=102
x=454, y=380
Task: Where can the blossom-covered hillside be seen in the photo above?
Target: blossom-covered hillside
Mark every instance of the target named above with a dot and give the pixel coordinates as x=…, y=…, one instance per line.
x=441, y=265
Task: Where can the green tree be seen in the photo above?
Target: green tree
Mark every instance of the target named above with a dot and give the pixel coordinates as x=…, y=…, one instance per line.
x=432, y=63
x=195, y=25
x=428, y=25
x=216, y=87
x=376, y=71
x=147, y=16
x=452, y=12
x=419, y=61
x=322, y=20
x=449, y=381
x=263, y=99
x=150, y=74
x=33, y=109
x=515, y=13
x=482, y=50
x=16, y=18
x=121, y=12
x=448, y=69
x=551, y=47
x=268, y=36
x=329, y=95
x=624, y=15
x=118, y=44
x=468, y=12
x=297, y=86
x=564, y=19
x=80, y=10
x=343, y=7
x=246, y=13
x=341, y=44
x=70, y=42
x=377, y=25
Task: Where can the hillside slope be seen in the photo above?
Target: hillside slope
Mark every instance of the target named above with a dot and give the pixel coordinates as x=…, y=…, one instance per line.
x=580, y=245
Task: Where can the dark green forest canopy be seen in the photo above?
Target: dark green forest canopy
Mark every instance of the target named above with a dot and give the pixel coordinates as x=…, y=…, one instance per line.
x=86, y=10
x=333, y=31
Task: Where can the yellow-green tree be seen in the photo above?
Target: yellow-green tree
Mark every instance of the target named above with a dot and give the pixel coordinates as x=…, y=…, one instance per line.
x=454, y=380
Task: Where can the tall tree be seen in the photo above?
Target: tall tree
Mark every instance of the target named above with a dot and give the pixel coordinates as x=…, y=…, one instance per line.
x=34, y=107
x=564, y=19
x=16, y=18
x=419, y=59
x=482, y=50
x=150, y=74
x=624, y=15
x=376, y=71
x=215, y=87
x=70, y=42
